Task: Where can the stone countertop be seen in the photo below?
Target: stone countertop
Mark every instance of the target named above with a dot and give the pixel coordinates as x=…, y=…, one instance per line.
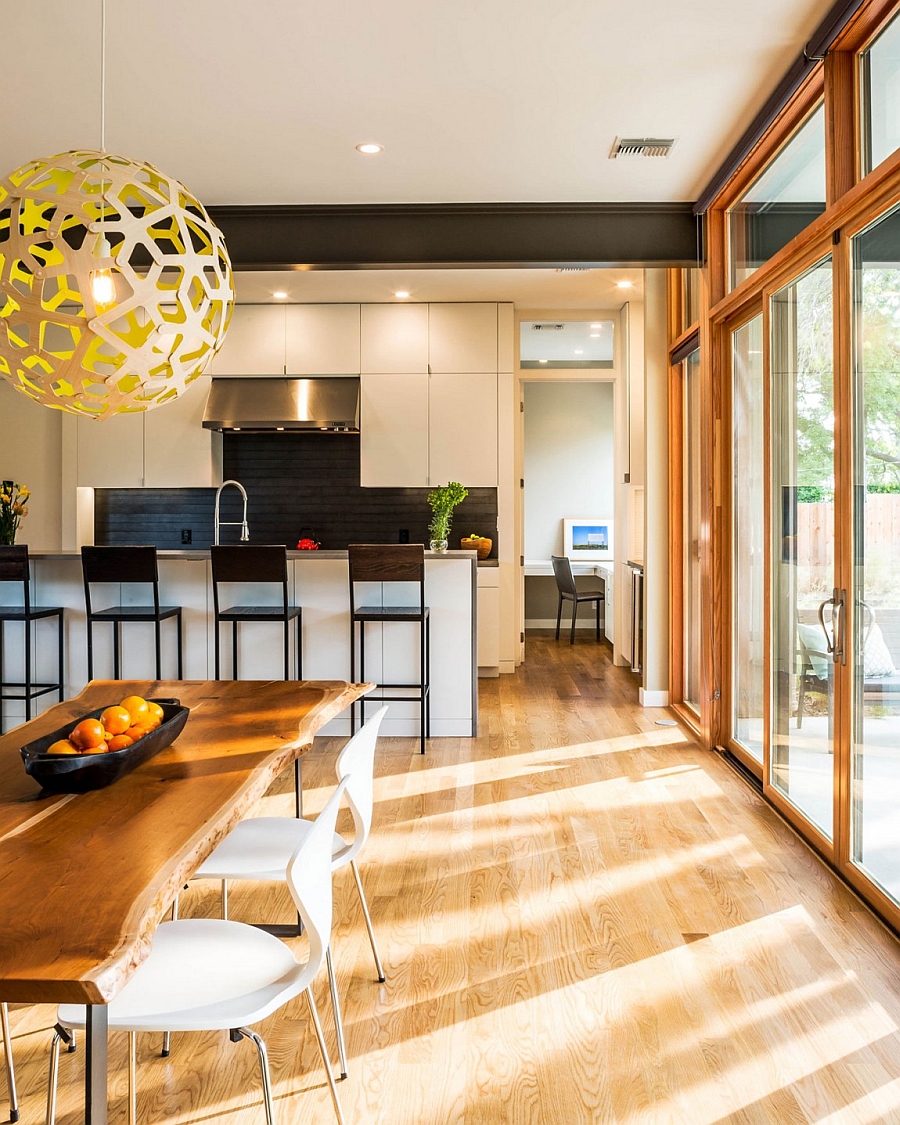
x=188, y=554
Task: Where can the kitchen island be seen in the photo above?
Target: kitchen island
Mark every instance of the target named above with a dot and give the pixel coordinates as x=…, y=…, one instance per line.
x=317, y=581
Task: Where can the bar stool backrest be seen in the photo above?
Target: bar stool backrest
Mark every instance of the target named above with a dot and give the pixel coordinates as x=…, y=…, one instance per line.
x=119, y=564
x=249, y=562
x=14, y=568
x=387, y=562
x=562, y=572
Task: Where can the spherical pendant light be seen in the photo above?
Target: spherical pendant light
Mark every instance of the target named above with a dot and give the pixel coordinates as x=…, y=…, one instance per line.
x=115, y=285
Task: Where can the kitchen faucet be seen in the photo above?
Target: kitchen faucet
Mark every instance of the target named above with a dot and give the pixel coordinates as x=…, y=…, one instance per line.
x=245, y=531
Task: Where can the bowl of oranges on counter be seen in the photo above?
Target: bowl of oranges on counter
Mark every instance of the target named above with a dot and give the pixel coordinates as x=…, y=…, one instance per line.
x=103, y=746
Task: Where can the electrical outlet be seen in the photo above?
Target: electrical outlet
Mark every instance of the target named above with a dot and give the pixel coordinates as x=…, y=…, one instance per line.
x=187, y=535
x=404, y=535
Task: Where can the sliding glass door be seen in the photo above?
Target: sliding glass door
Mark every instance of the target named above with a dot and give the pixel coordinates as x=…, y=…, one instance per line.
x=748, y=685
x=691, y=529
x=875, y=652
x=803, y=613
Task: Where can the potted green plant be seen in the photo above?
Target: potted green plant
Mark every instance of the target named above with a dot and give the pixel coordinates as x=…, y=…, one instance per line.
x=442, y=501
x=13, y=498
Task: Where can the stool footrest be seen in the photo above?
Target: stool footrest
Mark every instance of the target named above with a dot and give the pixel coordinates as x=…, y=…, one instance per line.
x=33, y=689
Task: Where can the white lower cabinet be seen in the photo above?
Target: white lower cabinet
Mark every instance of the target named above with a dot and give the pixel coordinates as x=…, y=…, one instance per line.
x=488, y=621
x=393, y=423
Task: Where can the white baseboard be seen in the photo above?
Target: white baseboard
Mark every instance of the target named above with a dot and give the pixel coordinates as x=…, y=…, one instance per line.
x=507, y=667
x=654, y=698
x=488, y=672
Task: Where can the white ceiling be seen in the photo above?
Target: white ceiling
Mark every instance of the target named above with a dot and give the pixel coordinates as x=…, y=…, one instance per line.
x=532, y=289
x=474, y=100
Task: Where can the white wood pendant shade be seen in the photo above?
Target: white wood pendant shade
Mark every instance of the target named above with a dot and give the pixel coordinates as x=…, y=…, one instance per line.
x=64, y=219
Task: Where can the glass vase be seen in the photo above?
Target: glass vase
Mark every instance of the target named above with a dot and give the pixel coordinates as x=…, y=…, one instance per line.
x=438, y=545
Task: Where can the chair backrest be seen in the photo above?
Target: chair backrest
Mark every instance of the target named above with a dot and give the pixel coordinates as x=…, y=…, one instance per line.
x=309, y=879
x=119, y=564
x=14, y=568
x=562, y=572
x=356, y=763
x=249, y=562
x=386, y=562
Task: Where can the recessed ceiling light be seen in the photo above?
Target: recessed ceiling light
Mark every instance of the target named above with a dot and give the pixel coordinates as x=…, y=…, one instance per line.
x=595, y=335
x=542, y=361
x=370, y=148
x=579, y=351
x=624, y=284
x=402, y=294
x=596, y=326
x=280, y=295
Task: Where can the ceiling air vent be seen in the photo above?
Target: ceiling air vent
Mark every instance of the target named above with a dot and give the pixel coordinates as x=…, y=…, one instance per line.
x=539, y=327
x=641, y=146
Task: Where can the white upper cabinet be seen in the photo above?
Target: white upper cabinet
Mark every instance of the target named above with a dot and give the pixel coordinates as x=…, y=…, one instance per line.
x=110, y=454
x=394, y=339
x=462, y=429
x=322, y=339
x=506, y=337
x=393, y=423
x=254, y=343
x=462, y=337
x=177, y=450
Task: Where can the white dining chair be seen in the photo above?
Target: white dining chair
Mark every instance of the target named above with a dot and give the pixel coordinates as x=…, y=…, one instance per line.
x=258, y=848
x=203, y=974
x=8, y=1058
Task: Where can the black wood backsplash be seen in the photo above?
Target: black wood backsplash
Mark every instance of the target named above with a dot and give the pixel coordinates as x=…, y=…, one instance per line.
x=294, y=482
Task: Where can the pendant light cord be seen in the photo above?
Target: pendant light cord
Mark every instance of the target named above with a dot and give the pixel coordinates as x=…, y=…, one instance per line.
x=103, y=75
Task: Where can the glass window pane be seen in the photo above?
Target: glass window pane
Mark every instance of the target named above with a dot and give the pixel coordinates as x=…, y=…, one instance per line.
x=802, y=760
x=881, y=96
x=566, y=343
x=875, y=653
x=788, y=195
x=691, y=530
x=748, y=528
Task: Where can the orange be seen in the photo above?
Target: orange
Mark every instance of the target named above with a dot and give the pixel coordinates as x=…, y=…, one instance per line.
x=116, y=720
x=88, y=735
x=135, y=732
x=156, y=712
x=136, y=707
x=120, y=742
x=63, y=746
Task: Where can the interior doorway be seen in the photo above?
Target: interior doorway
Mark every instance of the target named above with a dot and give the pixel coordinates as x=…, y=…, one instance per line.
x=569, y=439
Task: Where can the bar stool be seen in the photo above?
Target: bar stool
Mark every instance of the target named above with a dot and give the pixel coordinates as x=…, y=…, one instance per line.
x=14, y=568
x=125, y=564
x=402, y=562
x=245, y=562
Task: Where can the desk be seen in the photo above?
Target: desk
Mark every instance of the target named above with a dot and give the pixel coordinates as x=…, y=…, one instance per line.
x=85, y=879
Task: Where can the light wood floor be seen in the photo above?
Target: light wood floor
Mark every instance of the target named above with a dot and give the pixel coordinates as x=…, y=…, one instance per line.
x=584, y=918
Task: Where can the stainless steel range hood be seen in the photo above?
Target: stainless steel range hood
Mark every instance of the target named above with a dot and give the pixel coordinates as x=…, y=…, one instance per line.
x=329, y=405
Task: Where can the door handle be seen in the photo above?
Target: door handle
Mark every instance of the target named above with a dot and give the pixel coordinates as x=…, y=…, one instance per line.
x=835, y=640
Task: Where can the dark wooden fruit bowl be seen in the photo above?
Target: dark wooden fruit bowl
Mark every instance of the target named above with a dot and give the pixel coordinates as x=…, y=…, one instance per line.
x=80, y=773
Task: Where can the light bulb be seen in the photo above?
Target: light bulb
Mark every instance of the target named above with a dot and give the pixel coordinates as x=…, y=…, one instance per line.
x=103, y=289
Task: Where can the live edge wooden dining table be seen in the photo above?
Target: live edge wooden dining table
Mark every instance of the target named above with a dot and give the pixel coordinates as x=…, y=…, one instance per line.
x=85, y=879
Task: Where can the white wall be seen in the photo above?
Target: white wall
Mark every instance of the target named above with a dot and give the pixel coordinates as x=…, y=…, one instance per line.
x=30, y=437
x=569, y=459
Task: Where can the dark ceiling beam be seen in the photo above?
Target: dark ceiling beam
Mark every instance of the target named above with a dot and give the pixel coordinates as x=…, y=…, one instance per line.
x=432, y=236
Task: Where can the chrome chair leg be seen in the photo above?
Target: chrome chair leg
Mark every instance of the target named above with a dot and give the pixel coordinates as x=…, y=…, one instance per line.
x=365, y=908
x=54, y=1075
x=10, y=1069
x=336, y=1008
x=320, y=1039
x=167, y=1045
x=132, y=1078
x=225, y=899
x=246, y=1032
